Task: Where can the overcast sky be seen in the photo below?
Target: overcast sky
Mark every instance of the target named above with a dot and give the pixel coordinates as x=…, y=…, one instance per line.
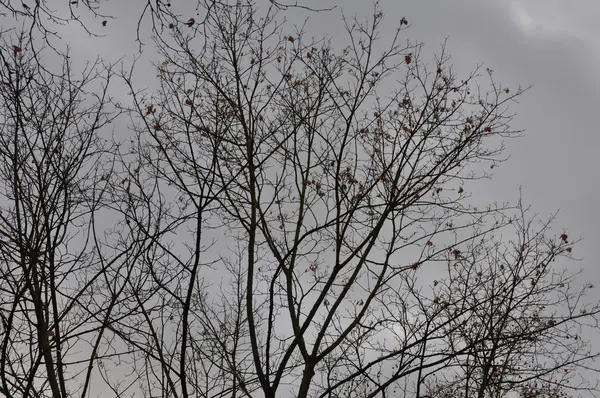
x=550, y=44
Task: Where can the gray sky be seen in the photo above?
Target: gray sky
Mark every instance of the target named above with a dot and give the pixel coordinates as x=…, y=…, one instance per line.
x=550, y=44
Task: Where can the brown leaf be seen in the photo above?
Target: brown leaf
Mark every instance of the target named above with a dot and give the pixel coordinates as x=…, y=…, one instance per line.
x=564, y=238
x=190, y=22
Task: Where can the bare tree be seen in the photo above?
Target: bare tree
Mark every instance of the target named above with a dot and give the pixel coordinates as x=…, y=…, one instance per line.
x=60, y=281
x=527, y=321
x=41, y=18
x=312, y=230
x=284, y=216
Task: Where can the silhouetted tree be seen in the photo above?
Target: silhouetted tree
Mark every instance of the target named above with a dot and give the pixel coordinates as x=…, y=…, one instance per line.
x=59, y=281
x=312, y=230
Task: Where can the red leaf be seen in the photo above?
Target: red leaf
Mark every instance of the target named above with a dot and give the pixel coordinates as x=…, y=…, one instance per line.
x=104, y=22
x=408, y=59
x=16, y=49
